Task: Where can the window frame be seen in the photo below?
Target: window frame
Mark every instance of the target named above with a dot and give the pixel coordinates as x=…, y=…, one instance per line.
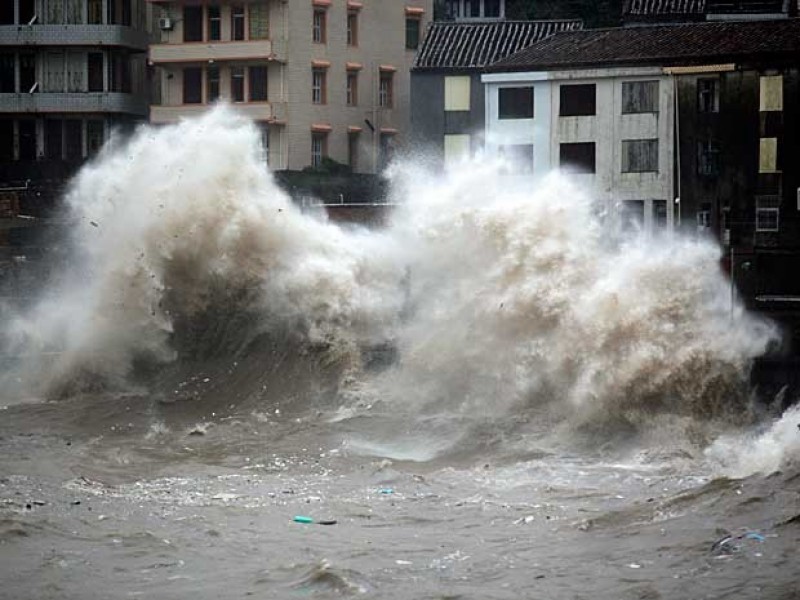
x=631, y=99
x=413, y=32
x=352, y=28
x=319, y=91
x=319, y=26
x=574, y=104
x=510, y=90
x=213, y=81
x=236, y=19
x=238, y=84
x=185, y=85
x=351, y=88
x=771, y=207
x=573, y=167
x=214, y=22
x=318, y=157
x=386, y=89
x=252, y=72
x=627, y=152
x=708, y=95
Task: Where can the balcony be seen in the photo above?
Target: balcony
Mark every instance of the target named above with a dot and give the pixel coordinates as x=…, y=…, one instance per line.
x=274, y=112
x=213, y=51
x=73, y=102
x=73, y=35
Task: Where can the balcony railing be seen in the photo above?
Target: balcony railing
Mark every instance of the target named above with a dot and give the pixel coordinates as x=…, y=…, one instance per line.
x=215, y=51
x=258, y=111
x=73, y=102
x=73, y=35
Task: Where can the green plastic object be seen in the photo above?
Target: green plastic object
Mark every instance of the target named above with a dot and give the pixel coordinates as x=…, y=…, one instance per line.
x=303, y=519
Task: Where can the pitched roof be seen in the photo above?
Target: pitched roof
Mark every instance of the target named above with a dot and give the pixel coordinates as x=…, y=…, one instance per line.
x=689, y=43
x=664, y=7
x=450, y=45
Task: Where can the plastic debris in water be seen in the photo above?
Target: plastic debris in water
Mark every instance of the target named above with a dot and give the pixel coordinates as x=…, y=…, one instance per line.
x=386, y=491
x=302, y=519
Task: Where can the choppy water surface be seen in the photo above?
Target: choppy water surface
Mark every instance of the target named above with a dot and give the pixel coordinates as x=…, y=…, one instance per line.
x=493, y=397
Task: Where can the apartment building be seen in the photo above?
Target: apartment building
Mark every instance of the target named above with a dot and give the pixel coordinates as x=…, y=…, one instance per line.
x=321, y=78
x=70, y=72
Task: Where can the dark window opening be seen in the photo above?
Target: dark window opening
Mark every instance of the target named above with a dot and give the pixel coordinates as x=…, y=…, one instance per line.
x=212, y=81
x=8, y=73
x=387, y=150
x=214, y=24
x=27, y=10
x=472, y=8
x=515, y=103
x=6, y=140
x=94, y=12
x=258, y=84
x=192, y=85
x=95, y=134
x=520, y=156
x=352, y=29
x=27, y=72
x=640, y=156
x=660, y=214
x=237, y=23
x=707, y=158
x=73, y=138
x=639, y=97
x=95, y=70
x=6, y=13
x=237, y=84
x=54, y=139
x=27, y=139
x=491, y=8
x=352, y=150
x=192, y=23
x=412, y=33
x=578, y=100
x=577, y=158
x=126, y=13
x=119, y=73
x=707, y=95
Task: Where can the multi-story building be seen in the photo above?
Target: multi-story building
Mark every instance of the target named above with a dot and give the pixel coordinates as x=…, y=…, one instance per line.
x=323, y=78
x=447, y=97
x=694, y=119
x=70, y=72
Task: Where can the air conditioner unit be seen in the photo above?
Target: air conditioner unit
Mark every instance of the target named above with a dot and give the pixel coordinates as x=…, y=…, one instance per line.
x=165, y=24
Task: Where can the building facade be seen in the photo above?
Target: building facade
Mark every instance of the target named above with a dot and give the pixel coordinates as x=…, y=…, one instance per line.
x=448, y=111
x=610, y=129
x=70, y=72
x=322, y=78
x=648, y=12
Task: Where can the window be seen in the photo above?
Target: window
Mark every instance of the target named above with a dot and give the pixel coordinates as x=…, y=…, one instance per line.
x=318, y=86
x=352, y=29
x=212, y=83
x=491, y=9
x=472, y=8
x=768, y=155
x=640, y=156
x=771, y=93
x=520, y=156
x=95, y=133
x=413, y=26
x=456, y=148
x=6, y=13
x=515, y=103
x=27, y=139
x=386, y=150
x=214, y=23
x=192, y=85
x=237, y=84
x=457, y=92
x=264, y=128
x=94, y=12
x=73, y=139
x=385, y=89
x=632, y=215
x=237, y=23
x=660, y=220
x=319, y=148
x=95, y=69
x=768, y=213
x=259, y=21
x=8, y=73
x=258, y=83
x=577, y=158
x=27, y=72
x=352, y=88
x=704, y=217
x=53, y=139
x=352, y=150
x=577, y=100
x=318, y=33
x=708, y=95
x=707, y=158
x=192, y=23
x=639, y=97
x=6, y=140
x=119, y=73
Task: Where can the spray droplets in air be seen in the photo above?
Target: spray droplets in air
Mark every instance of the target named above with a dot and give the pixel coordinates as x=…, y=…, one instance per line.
x=495, y=295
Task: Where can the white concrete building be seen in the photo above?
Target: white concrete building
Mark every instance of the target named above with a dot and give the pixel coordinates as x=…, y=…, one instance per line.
x=611, y=129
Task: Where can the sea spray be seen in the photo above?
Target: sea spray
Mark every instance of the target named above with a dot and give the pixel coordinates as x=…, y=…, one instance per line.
x=500, y=297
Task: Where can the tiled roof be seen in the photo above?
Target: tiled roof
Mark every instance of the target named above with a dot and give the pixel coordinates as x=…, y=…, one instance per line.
x=695, y=43
x=450, y=45
x=664, y=7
